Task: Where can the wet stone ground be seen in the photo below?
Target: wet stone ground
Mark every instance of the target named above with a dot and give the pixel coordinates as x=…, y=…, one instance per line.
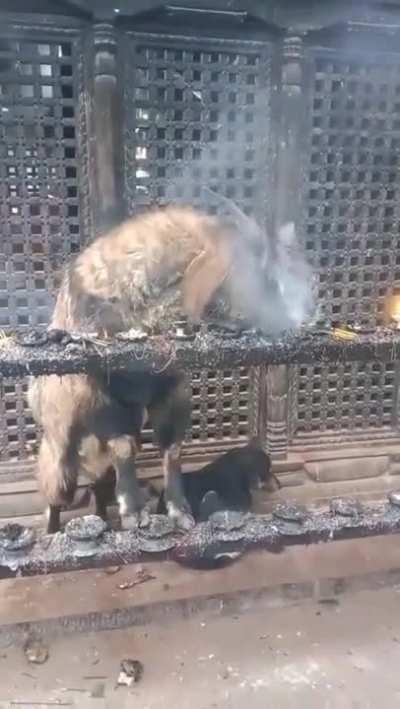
x=337, y=655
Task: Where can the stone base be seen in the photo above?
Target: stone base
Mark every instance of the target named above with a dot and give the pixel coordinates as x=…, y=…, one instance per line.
x=91, y=600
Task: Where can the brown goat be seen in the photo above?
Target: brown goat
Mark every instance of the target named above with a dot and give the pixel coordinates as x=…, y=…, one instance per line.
x=147, y=272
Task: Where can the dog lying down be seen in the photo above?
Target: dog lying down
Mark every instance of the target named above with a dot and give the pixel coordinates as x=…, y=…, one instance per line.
x=226, y=483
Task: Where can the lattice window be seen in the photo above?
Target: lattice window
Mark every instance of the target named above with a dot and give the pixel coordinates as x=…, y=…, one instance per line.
x=224, y=407
x=18, y=433
x=197, y=117
x=352, y=396
x=39, y=203
x=352, y=227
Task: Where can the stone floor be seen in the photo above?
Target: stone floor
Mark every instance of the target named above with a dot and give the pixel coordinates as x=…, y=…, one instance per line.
x=343, y=654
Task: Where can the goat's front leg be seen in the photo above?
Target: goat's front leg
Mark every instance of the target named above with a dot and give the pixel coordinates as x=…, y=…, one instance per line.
x=177, y=506
x=130, y=498
x=170, y=417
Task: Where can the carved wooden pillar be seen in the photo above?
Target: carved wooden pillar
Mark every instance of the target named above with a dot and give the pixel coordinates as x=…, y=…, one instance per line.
x=291, y=134
x=290, y=126
x=277, y=410
x=106, y=129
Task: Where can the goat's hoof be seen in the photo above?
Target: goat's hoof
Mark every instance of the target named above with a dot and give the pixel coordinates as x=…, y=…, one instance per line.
x=181, y=517
x=135, y=520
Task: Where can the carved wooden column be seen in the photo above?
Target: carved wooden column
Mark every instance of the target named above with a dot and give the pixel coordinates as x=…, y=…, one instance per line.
x=290, y=126
x=106, y=129
x=291, y=134
x=277, y=409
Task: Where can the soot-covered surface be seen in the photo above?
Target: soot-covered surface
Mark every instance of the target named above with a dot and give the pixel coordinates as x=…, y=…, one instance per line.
x=58, y=353
x=226, y=536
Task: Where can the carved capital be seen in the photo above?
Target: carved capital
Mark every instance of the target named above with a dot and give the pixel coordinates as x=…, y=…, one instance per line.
x=292, y=55
x=105, y=49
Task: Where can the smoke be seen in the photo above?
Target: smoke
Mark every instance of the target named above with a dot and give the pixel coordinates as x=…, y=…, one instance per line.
x=294, y=276
x=271, y=286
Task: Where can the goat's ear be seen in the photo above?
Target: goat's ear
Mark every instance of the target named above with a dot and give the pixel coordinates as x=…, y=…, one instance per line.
x=202, y=278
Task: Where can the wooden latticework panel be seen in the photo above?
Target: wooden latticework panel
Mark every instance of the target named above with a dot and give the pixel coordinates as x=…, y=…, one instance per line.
x=41, y=124
x=351, y=229
x=197, y=126
x=353, y=396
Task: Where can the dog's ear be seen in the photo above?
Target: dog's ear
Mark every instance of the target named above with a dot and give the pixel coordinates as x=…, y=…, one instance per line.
x=201, y=280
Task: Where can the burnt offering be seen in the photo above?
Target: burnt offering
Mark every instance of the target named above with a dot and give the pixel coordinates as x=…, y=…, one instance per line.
x=15, y=542
x=224, y=537
x=289, y=529
x=289, y=519
x=131, y=671
x=394, y=499
x=36, y=652
x=229, y=525
x=289, y=512
x=348, y=507
x=86, y=533
x=182, y=331
x=393, y=311
x=132, y=335
x=159, y=535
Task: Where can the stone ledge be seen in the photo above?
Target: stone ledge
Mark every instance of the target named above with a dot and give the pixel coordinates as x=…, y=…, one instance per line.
x=347, y=468
x=92, y=600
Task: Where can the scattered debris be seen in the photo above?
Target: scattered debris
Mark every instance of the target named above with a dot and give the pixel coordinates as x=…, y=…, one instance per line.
x=344, y=333
x=30, y=704
x=98, y=691
x=5, y=339
x=141, y=576
x=132, y=335
x=93, y=656
x=330, y=601
x=131, y=671
x=80, y=690
x=111, y=570
x=36, y=652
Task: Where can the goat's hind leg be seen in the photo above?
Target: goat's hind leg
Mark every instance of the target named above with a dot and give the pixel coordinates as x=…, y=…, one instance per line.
x=53, y=518
x=57, y=479
x=104, y=493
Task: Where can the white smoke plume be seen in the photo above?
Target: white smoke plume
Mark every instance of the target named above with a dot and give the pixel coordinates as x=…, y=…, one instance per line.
x=273, y=284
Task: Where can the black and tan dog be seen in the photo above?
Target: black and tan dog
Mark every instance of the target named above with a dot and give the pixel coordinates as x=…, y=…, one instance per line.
x=227, y=482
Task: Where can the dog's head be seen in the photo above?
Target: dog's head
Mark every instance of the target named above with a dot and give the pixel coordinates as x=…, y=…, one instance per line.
x=259, y=469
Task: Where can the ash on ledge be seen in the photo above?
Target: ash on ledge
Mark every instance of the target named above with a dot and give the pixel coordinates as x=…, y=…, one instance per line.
x=55, y=352
x=223, y=538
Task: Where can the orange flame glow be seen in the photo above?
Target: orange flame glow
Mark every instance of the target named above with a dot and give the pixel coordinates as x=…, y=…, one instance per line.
x=394, y=310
